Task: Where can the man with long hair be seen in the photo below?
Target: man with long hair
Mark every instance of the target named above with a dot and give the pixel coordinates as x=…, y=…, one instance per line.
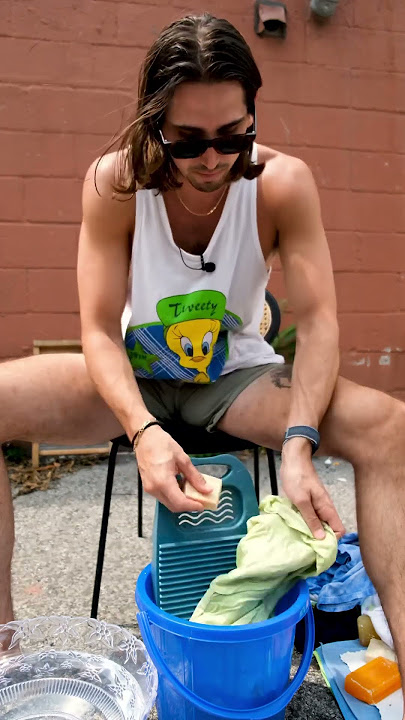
x=196, y=210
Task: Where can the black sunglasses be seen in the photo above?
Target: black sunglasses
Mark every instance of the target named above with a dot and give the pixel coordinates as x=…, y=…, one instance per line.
x=227, y=145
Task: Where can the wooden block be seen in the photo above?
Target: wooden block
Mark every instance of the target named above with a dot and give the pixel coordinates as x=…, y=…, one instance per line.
x=56, y=346
x=210, y=502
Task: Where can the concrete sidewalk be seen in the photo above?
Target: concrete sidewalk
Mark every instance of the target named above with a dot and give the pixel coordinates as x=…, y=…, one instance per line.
x=57, y=535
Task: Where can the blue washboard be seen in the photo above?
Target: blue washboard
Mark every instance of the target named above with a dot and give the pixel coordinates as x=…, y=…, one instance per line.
x=191, y=549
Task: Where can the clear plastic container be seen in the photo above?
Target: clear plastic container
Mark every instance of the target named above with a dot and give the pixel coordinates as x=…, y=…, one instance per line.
x=62, y=668
x=366, y=630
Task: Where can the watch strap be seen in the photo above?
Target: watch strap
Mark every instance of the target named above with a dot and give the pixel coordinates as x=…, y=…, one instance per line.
x=304, y=431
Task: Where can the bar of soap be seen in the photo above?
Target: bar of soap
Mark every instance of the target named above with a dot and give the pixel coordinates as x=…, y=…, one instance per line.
x=210, y=502
x=378, y=648
x=374, y=681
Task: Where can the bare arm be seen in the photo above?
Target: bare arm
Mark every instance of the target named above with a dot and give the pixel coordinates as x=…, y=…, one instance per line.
x=305, y=258
x=103, y=266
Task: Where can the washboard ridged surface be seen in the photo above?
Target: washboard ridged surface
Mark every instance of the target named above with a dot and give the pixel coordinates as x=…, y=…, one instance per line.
x=191, y=549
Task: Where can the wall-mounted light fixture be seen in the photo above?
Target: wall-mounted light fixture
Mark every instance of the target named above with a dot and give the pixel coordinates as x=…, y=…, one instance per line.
x=270, y=18
x=324, y=8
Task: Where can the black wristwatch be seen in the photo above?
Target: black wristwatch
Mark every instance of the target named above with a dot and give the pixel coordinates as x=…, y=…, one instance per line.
x=304, y=431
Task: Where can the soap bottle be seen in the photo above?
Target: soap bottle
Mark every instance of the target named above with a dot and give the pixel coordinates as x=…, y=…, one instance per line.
x=366, y=630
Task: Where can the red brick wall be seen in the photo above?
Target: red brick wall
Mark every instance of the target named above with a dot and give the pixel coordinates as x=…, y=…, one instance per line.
x=334, y=94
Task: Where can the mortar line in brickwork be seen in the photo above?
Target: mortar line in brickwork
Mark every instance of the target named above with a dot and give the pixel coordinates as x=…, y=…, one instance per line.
x=378, y=232
x=41, y=85
x=298, y=146
x=328, y=148
x=360, y=233
x=370, y=192
x=56, y=87
x=55, y=132
x=74, y=133
x=80, y=177
x=100, y=43
x=37, y=176
x=352, y=110
x=62, y=133
x=359, y=271
x=24, y=176
x=26, y=221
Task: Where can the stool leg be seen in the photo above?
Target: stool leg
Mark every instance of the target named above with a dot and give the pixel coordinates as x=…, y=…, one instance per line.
x=104, y=528
x=256, y=472
x=272, y=471
x=140, y=499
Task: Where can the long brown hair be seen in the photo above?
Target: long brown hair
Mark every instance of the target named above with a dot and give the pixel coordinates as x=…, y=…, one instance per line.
x=198, y=48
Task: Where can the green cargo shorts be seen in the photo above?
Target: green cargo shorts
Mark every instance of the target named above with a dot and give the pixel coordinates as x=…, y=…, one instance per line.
x=194, y=403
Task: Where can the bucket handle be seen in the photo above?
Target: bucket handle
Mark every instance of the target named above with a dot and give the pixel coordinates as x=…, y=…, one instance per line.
x=258, y=713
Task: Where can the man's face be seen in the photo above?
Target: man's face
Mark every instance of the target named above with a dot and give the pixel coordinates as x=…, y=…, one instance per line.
x=205, y=111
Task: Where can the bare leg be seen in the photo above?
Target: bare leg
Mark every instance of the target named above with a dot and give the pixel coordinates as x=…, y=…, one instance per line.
x=367, y=428
x=377, y=452
x=6, y=544
x=47, y=398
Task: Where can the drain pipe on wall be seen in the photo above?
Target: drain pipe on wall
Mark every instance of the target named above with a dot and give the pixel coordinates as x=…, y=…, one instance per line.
x=324, y=8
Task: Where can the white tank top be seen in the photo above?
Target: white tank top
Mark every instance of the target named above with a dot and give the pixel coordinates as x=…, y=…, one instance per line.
x=191, y=325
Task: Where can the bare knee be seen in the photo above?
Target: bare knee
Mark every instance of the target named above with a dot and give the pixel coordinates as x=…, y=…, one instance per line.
x=390, y=426
x=363, y=424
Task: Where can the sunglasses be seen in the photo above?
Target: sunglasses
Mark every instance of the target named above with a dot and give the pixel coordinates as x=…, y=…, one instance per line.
x=227, y=145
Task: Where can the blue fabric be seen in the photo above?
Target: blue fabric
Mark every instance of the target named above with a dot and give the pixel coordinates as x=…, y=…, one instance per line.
x=346, y=583
x=336, y=671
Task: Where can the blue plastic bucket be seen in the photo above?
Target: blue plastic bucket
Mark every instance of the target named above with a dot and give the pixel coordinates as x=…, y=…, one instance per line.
x=239, y=672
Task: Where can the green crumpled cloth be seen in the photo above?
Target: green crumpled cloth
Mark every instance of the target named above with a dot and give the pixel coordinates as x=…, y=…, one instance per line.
x=278, y=549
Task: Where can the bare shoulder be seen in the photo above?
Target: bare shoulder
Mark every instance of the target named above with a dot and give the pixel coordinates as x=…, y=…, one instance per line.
x=285, y=177
x=100, y=197
x=286, y=184
x=287, y=198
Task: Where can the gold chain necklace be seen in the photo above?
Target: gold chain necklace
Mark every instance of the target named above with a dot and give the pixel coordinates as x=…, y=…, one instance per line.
x=203, y=214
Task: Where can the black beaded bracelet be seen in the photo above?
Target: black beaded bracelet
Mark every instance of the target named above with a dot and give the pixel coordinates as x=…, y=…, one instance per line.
x=135, y=440
x=305, y=431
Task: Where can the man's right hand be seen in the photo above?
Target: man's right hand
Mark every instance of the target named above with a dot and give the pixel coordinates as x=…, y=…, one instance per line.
x=160, y=459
